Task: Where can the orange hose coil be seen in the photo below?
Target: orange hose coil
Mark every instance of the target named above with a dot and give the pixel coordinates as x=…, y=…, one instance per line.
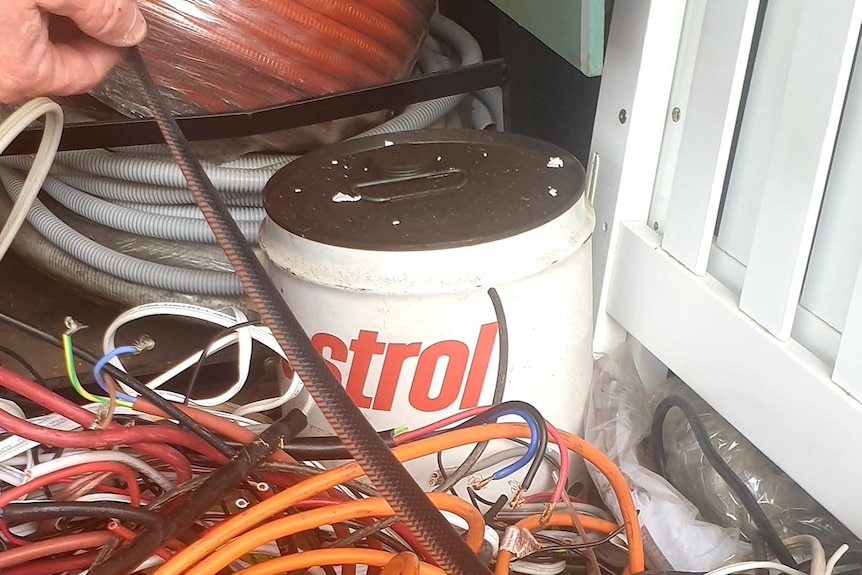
x=226, y=55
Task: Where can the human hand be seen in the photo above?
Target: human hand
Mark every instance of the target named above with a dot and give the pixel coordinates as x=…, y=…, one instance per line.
x=68, y=59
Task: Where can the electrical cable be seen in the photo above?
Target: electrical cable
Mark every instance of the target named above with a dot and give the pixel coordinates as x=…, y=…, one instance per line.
x=230, y=429
x=121, y=376
x=55, y=546
x=504, y=556
x=753, y=565
x=14, y=125
x=480, y=415
x=57, y=404
x=106, y=438
x=72, y=372
x=18, y=513
x=244, y=339
x=100, y=366
x=332, y=514
x=299, y=562
x=383, y=469
x=73, y=459
x=22, y=361
x=226, y=477
x=263, y=511
x=550, y=549
x=54, y=565
x=499, y=391
x=193, y=378
x=746, y=498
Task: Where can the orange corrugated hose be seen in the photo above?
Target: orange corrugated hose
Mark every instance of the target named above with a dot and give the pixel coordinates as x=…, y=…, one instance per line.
x=263, y=511
x=298, y=522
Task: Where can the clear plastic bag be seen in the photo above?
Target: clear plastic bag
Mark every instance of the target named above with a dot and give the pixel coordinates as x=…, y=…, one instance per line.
x=617, y=421
x=789, y=508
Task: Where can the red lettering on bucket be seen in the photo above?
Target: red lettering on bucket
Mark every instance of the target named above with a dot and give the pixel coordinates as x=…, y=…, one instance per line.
x=462, y=375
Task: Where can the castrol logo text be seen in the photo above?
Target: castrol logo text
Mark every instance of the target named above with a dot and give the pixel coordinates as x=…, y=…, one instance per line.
x=465, y=365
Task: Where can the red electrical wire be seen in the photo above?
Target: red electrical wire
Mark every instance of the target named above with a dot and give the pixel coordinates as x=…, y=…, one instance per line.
x=54, y=565
x=215, y=423
x=11, y=537
x=108, y=438
x=54, y=546
x=58, y=404
x=21, y=491
x=127, y=534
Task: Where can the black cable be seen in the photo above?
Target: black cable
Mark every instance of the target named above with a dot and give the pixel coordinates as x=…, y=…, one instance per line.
x=546, y=456
x=383, y=469
x=204, y=353
x=24, y=363
x=499, y=391
x=168, y=407
x=551, y=549
x=758, y=552
x=219, y=482
x=479, y=498
x=737, y=486
x=325, y=448
x=497, y=411
x=18, y=513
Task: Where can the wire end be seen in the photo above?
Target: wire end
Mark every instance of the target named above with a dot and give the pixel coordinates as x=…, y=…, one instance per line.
x=72, y=325
x=144, y=343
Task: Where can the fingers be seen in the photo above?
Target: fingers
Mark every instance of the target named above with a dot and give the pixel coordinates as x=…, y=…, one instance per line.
x=74, y=67
x=31, y=65
x=114, y=22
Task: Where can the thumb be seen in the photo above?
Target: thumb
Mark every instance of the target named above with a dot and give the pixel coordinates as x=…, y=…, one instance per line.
x=114, y=22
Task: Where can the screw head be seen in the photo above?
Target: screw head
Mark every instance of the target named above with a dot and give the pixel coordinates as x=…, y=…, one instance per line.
x=623, y=116
x=655, y=225
x=605, y=227
x=675, y=114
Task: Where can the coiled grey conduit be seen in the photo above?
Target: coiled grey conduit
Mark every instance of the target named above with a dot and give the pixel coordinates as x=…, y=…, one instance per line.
x=387, y=474
x=139, y=191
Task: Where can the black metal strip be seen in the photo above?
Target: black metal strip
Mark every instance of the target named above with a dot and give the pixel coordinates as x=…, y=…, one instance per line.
x=129, y=132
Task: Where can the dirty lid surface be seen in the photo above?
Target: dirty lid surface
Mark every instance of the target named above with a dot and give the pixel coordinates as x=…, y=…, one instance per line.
x=430, y=189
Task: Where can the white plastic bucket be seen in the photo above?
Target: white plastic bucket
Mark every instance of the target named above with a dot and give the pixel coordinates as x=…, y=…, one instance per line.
x=409, y=329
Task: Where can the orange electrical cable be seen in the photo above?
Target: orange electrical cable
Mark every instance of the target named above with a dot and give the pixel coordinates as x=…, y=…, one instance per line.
x=556, y=520
x=328, y=515
x=402, y=564
x=257, y=514
x=326, y=557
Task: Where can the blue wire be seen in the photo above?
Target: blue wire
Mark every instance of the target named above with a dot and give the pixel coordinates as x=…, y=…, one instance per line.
x=531, y=450
x=100, y=365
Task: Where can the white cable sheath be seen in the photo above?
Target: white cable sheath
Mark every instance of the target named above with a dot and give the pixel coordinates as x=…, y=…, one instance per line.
x=71, y=459
x=243, y=336
x=10, y=129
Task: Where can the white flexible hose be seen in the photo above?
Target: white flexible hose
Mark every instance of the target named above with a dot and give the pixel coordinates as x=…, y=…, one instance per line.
x=19, y=121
